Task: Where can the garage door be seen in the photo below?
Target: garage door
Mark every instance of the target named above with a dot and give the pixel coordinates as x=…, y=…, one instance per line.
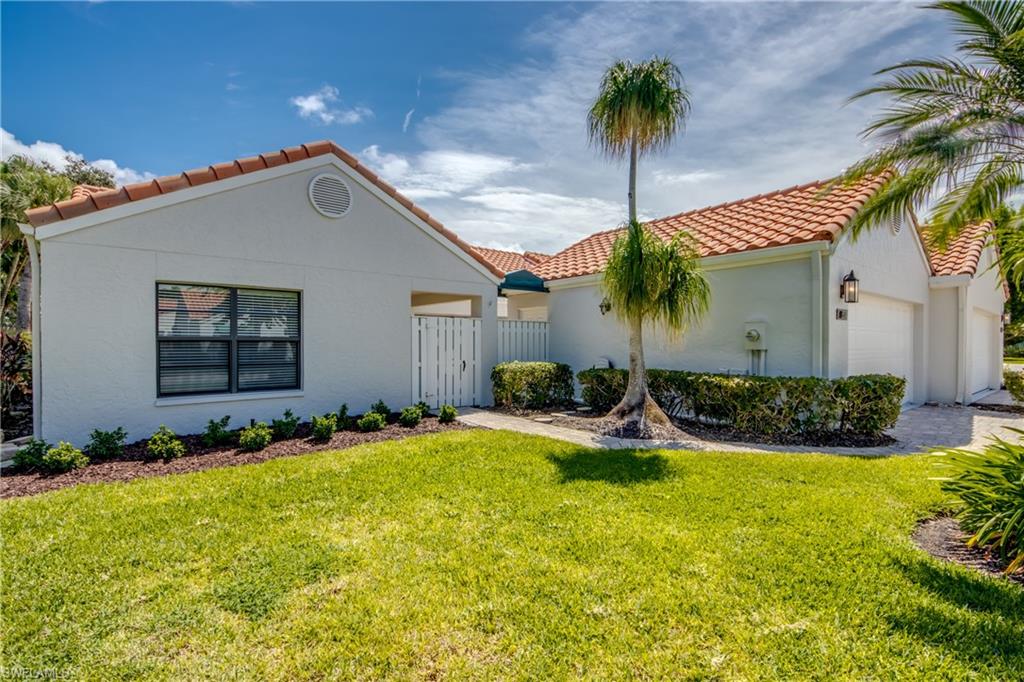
x=881, y=338
x=984, y=332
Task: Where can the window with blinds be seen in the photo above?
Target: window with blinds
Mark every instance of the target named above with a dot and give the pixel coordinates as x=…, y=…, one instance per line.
x=226, y=340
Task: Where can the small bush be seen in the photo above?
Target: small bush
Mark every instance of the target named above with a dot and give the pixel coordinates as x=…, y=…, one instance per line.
x=64, y=457
x=284, y=428
x=371, y=421
x=410, y=417
x=324, y=427
x=30, y=455
x=423, y=408
x=1014, y=381
x=381, y=408
x=532, y=385
x=991, y=497
x=255, y=437
x=217, y=432
x=165, y=445
x=863, y=405
x=344, y=421
x=107, y=444
x=447, y=414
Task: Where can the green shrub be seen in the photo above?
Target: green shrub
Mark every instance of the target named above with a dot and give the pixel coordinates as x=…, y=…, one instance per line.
x=447, y=414
x=165, y=445
x=991, y=496
x=344, y=421
x=423, y=408
x=532, y=385
x=324, y=427
x=107, y=444
x=30, y=455
x=371, y=421
x=381, y=408
x=1014, y=381
x=217, y=432
x=863, y=405
x=255, y=437
x=64, y=457
x=410, y=417
x=284, y=428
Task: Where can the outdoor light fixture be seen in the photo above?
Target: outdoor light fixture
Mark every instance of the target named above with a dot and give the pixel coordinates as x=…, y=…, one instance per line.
x=849, y=290
x=1006, y=319
x=605, y=305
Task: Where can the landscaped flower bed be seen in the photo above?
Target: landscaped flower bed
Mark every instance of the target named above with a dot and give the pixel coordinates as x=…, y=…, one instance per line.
x=136, y=462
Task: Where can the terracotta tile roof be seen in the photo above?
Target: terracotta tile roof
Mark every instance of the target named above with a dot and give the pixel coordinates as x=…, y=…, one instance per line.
x=87, y=199
x=961, y=256
x=510, y=261
x=785, y=217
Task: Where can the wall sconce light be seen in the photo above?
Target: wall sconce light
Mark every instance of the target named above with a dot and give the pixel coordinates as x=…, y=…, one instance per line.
x=1006, y=319
x=849, y=290
x=604, y=306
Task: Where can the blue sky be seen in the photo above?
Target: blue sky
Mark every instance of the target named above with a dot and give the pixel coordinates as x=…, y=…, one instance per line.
x=477, y=111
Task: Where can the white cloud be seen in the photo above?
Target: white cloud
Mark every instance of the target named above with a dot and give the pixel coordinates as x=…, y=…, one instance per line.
x=408, y=119
x=768, y=83
x=439, y=173
x=56, y=156
x=320, y=106
x=662, y=177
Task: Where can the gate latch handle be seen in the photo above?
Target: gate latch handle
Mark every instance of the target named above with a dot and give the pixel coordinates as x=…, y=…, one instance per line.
x=463, y=365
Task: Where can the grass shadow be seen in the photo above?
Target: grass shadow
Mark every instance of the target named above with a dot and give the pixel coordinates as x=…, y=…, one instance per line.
x=621, y=467
x=985, y=621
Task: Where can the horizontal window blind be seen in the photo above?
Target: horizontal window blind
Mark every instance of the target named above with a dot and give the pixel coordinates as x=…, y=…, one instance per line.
x=184, y=310
x=222, y=340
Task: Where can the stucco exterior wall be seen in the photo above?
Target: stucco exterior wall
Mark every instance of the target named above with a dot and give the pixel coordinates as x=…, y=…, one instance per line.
x=887, y=264
x=943, y=344
x=777, y=293
x=356, y=275
x=985, y=294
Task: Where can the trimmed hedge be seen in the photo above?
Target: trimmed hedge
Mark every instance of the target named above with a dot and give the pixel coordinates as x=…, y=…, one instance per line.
x=532, y=385
x=864, y=405
x=1014, y=381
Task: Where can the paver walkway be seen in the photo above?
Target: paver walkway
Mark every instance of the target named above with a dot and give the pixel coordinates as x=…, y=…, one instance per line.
x=917, y=430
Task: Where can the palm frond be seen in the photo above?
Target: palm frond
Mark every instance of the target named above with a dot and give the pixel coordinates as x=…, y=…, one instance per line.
x=656, y=281
x=644, y=103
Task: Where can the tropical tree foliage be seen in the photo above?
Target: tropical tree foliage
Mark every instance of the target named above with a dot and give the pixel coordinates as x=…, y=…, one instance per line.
x=952, y=131
x=23, y=185
x=639, y=111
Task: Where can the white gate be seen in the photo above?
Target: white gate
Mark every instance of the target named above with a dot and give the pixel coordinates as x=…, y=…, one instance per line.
x=446, y=360
x=522, y=340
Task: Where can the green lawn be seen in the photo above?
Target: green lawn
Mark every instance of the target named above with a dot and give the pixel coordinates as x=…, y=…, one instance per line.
x=488, y=554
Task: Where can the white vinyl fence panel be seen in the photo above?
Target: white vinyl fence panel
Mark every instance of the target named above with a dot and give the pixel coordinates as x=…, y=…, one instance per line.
x=522, y=340
x=446, y=360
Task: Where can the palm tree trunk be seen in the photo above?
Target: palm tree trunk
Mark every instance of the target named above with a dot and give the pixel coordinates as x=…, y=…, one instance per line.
x=632, y=180
x=25, y=297
x=637, y=408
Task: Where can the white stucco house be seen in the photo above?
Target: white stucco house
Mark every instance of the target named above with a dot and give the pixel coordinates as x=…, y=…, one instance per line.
x=300, y=280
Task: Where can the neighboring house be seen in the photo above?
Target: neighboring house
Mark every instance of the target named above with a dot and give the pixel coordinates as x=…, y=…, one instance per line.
x=299, y=279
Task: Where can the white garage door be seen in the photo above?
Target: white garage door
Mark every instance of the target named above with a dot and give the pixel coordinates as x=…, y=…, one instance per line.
x=882, y=338
x=984, y=332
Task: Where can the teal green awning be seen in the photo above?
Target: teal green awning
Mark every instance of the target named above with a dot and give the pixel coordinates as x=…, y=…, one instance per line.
x=522, y=280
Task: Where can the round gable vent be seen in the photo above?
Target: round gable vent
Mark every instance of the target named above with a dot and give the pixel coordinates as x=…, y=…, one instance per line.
x=330, y=195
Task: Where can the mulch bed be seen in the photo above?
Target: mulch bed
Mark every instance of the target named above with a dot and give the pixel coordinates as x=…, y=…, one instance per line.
x=690, y=429
x=942, y=537
x=199, y=457
x=1008, y=409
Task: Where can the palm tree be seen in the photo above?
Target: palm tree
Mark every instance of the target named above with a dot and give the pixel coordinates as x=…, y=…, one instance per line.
x=640, y=109
x=23, y=184
x=953, y=128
